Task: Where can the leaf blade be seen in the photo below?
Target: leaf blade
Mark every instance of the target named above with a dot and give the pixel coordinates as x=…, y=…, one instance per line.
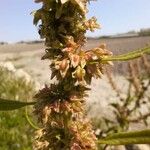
x=137, y=137
x=8, y=105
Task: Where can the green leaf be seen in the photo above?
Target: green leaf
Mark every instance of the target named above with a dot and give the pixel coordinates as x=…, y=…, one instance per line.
x=7, y=105
x=136, y=137
x=40, y=14
x=128, y=56
x=37, y=16
x=59, y=12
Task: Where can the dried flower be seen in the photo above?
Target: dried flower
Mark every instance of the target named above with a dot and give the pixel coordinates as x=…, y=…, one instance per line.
x=79, y=73
x=62, y=66
x=75, y=59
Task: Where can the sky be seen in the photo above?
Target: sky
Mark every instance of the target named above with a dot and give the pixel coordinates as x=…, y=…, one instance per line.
x=115, y=16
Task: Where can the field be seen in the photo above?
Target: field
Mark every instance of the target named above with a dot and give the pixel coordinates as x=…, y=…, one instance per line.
x=27, y=56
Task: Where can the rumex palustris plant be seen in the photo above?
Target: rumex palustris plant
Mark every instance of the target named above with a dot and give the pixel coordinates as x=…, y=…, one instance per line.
x=59, y=107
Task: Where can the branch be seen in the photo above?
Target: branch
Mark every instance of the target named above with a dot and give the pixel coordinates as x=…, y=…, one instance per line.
x=136, y=137
x=140, y=118
x=124, y=57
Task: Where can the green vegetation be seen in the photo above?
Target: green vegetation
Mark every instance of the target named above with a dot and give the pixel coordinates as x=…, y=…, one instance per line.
x=15, y=132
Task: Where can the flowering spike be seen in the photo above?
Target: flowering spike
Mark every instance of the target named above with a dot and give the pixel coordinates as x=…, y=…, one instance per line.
x=60, y=107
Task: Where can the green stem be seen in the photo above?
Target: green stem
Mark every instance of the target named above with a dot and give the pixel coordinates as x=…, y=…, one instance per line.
x=136, y=137
x=29, y=121
x=124, y=57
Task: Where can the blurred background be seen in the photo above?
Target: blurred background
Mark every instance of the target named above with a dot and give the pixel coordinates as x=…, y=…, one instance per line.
x=115, y=17
x=125, y=26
